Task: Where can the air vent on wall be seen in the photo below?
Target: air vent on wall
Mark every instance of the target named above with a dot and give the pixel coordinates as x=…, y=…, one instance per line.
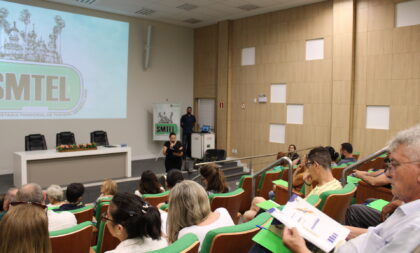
x=248, y=7
x=187, y=6
x=145, y=12
x=192, y=21
x=89, y=2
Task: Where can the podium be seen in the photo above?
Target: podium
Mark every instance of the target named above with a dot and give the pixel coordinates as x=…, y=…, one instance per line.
x=200, y=142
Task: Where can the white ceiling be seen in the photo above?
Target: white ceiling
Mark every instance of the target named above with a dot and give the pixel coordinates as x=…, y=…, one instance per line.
x=206, y=11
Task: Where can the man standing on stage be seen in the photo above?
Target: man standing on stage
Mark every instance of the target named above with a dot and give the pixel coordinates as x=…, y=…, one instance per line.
x=187, y=124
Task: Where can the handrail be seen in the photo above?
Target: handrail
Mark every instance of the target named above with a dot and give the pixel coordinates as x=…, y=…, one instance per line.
x=246, y=157
x=272, y=165
x=362, y=161
x=235, y=159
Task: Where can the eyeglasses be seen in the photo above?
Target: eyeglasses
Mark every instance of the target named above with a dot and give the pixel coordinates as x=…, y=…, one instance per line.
x=104, y=217
x=308, y=163
x=391, y=163
x=16, y=203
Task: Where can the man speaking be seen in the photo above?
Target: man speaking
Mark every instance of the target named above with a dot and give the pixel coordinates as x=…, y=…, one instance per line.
x=187, y=124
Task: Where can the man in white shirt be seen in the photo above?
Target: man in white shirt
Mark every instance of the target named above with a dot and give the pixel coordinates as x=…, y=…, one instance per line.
x=56, y=221
x=401, y=231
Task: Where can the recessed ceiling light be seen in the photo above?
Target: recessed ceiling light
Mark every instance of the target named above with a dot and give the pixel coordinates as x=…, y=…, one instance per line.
x=145, y=12
x=248, y=7
x=187, y=6
x=192, y=21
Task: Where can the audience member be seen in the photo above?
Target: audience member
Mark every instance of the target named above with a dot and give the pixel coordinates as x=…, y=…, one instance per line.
x=74, y=195
x=135, y=223
x=291, y=153
x=25, y=229
x=189, y=212
x=173, y=152
x=173, y=177
x=10, y=195
x=55, y=196
x=108, y=189
x=400, y=232
x=32, y=193
x=213, y=179
x=346, y=152
x=317, y=168
x=334, y=155
x=149, y=184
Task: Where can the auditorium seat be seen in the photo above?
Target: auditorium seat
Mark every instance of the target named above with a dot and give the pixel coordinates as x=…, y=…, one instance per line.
x=366, y=191
x=155, y=199
x=281, y=193
x=99, y=137
x=266, y=182
x=83, y=214
x=106, y=241
x=101, y=208
x=337, y=171
x=74, y=239
x=335, y=203
x=189, y=243
x=230, y=200
x=236, y=238
x=245, y=183
x=65, y=138
x=35, y=142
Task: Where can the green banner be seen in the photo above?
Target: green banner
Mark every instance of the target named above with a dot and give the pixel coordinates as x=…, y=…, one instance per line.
x=165, y=129
x=56, y=87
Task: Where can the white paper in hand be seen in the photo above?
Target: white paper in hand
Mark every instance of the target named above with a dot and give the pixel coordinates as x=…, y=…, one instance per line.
x=312, y=224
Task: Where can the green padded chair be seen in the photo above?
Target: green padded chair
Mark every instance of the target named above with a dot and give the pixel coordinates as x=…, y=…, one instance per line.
x=83, y=214
x=189, y=243
x=335, y=203
x=230, y=200
x=106, y=241
x=74, y=239
x=266, y=182
x=245, y=183
x=101, y=208
x=155, y=199
x=236, y=238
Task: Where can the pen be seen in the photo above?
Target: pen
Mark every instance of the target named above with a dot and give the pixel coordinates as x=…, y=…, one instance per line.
x=258, y=226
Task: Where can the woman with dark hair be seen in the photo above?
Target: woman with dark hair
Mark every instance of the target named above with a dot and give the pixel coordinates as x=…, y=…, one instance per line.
x=135, y=223
x=213, y=179
x=334, y=155
x=173, y=152
x=148, y=184
x=174, y=177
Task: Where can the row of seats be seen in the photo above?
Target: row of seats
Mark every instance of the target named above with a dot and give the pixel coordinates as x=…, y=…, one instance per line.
x=37, y=141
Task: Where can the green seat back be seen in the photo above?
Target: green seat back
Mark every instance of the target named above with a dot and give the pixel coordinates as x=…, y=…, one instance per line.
x=183, y=244
x=156, y=195
x=241, y=180
x=227, y=194
x=346, y=189
x=100, y=242
x=98, y=211
x=260, y=220
x=71, y=230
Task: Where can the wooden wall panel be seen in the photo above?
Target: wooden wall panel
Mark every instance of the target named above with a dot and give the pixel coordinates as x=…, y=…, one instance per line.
x=385, y=72
x=367, y=61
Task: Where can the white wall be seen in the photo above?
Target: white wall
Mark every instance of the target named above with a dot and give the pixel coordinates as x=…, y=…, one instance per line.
x=169, y=78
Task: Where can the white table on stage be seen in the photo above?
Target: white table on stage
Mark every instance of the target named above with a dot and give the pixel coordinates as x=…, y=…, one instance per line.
x=47, y=167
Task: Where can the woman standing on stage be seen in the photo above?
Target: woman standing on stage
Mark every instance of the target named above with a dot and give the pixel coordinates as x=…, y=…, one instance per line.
x=173, y=151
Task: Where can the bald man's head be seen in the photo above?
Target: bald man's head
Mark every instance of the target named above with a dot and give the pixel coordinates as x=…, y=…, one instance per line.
x=31, y=193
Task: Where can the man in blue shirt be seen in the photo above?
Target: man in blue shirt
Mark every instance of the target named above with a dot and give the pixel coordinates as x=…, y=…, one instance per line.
x=346, y=152
x=187, y=124
x=74, y=194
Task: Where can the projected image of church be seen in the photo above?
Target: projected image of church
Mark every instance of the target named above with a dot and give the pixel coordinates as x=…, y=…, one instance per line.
x=25, y=44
